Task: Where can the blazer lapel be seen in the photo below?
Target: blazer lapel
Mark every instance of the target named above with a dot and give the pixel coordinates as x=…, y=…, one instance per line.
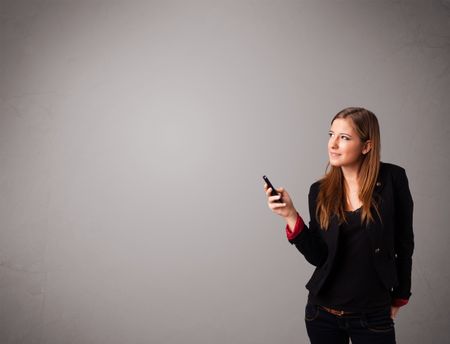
x=374, y=228
x=379, y=185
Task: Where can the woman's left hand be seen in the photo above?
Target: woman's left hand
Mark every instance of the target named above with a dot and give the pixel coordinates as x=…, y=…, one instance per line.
x=394, y=311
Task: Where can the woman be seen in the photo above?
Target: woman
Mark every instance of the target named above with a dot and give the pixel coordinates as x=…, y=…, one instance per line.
x=359, y=237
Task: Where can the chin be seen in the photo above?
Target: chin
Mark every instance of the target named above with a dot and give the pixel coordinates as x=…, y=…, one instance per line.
x=334, y=163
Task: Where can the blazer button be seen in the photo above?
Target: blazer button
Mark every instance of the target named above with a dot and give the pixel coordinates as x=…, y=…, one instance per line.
x=378, y=183
x=377, y=250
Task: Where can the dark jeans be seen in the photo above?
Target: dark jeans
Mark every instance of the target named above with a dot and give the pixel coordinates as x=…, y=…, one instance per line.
x=375, y=327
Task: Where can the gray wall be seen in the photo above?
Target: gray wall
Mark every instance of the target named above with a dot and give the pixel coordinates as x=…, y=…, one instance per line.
x=133, y=138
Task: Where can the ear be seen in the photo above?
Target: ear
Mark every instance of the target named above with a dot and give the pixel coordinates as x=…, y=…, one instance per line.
x=367, y=147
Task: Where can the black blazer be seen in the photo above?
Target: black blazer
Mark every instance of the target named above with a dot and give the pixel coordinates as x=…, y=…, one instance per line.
x=392, y=239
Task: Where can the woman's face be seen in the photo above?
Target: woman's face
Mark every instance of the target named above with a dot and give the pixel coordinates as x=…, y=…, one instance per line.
x=344, y=146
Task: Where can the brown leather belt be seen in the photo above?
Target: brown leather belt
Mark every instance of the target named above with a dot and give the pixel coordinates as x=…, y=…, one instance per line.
x=335, y=311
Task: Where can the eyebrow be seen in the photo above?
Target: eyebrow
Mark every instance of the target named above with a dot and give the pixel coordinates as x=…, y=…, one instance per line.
x=331, y=131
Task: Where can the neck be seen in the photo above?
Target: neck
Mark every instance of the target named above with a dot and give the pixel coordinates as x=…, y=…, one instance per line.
x=351, y=173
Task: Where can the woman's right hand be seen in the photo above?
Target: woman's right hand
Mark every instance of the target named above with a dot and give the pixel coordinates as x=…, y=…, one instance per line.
x=285, y=209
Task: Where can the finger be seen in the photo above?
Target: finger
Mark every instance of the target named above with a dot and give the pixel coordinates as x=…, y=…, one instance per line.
x=268, y=191
x=393, y=312
x=274, y=198
x=277, y=205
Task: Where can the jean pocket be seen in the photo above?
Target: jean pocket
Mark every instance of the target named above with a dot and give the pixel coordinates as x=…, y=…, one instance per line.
x=311, y=312
x=378, y=321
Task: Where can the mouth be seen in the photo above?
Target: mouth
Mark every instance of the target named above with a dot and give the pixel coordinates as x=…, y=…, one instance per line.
x=334, y=155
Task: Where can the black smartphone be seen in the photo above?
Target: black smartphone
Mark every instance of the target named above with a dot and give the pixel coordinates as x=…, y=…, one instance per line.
x=274, y=192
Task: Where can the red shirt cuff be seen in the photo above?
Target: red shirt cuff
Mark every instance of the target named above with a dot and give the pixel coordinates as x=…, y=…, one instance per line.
x=299, y=225
x=399, y=302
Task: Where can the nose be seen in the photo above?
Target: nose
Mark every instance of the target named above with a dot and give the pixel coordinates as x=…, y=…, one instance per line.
x=333, y=142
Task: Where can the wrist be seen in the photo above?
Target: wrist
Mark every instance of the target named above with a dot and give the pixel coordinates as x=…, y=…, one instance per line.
x=292, y=216
x=294, y=226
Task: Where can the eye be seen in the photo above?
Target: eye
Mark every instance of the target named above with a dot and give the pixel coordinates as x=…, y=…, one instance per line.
x=345, y=137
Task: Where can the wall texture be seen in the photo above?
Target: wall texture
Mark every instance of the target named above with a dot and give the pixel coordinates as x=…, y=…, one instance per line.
x=133, y=138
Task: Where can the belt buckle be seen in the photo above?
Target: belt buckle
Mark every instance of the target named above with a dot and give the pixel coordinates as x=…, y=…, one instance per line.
x=334, y=311
x=339, y=313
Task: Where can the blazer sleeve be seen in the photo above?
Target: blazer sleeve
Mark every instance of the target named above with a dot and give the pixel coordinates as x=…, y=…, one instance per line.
x=403, y=235
x=309, y=241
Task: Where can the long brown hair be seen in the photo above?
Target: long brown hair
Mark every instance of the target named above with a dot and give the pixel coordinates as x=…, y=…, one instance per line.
x=332, y=196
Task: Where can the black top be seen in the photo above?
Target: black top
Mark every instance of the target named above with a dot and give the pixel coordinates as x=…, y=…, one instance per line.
x=353, y=284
